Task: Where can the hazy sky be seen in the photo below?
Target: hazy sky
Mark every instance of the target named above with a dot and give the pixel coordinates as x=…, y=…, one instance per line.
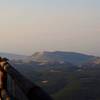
x=27, y=26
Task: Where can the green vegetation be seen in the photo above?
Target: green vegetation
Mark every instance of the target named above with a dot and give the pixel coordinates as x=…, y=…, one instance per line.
x=63, y=80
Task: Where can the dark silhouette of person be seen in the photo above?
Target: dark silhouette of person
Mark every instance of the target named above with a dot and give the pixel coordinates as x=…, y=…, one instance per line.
x=3, y=80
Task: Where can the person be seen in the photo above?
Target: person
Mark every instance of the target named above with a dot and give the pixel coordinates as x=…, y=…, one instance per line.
x=3, y=80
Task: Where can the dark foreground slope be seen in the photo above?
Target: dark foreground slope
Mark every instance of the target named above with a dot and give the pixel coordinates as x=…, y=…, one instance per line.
x=65, y=81
x=83, y=85
x=62, y=79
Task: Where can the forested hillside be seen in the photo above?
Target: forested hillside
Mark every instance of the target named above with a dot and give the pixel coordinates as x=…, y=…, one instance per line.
x=64, y=80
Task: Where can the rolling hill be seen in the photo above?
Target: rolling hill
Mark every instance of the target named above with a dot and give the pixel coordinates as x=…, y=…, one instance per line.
x=59, y=56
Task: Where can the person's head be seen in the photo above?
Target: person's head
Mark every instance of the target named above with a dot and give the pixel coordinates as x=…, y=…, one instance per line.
x=3, y=63
x=3, y=59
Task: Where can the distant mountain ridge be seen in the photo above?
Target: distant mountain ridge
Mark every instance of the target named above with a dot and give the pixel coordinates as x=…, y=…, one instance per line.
x=56, y=56
x=11, y=56
x=59, y=56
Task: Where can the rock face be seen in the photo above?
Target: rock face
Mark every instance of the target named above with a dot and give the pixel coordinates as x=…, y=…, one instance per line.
x=72, y=57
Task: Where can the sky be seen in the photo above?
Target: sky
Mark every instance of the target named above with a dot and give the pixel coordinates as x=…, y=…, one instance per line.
x=27, y=26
